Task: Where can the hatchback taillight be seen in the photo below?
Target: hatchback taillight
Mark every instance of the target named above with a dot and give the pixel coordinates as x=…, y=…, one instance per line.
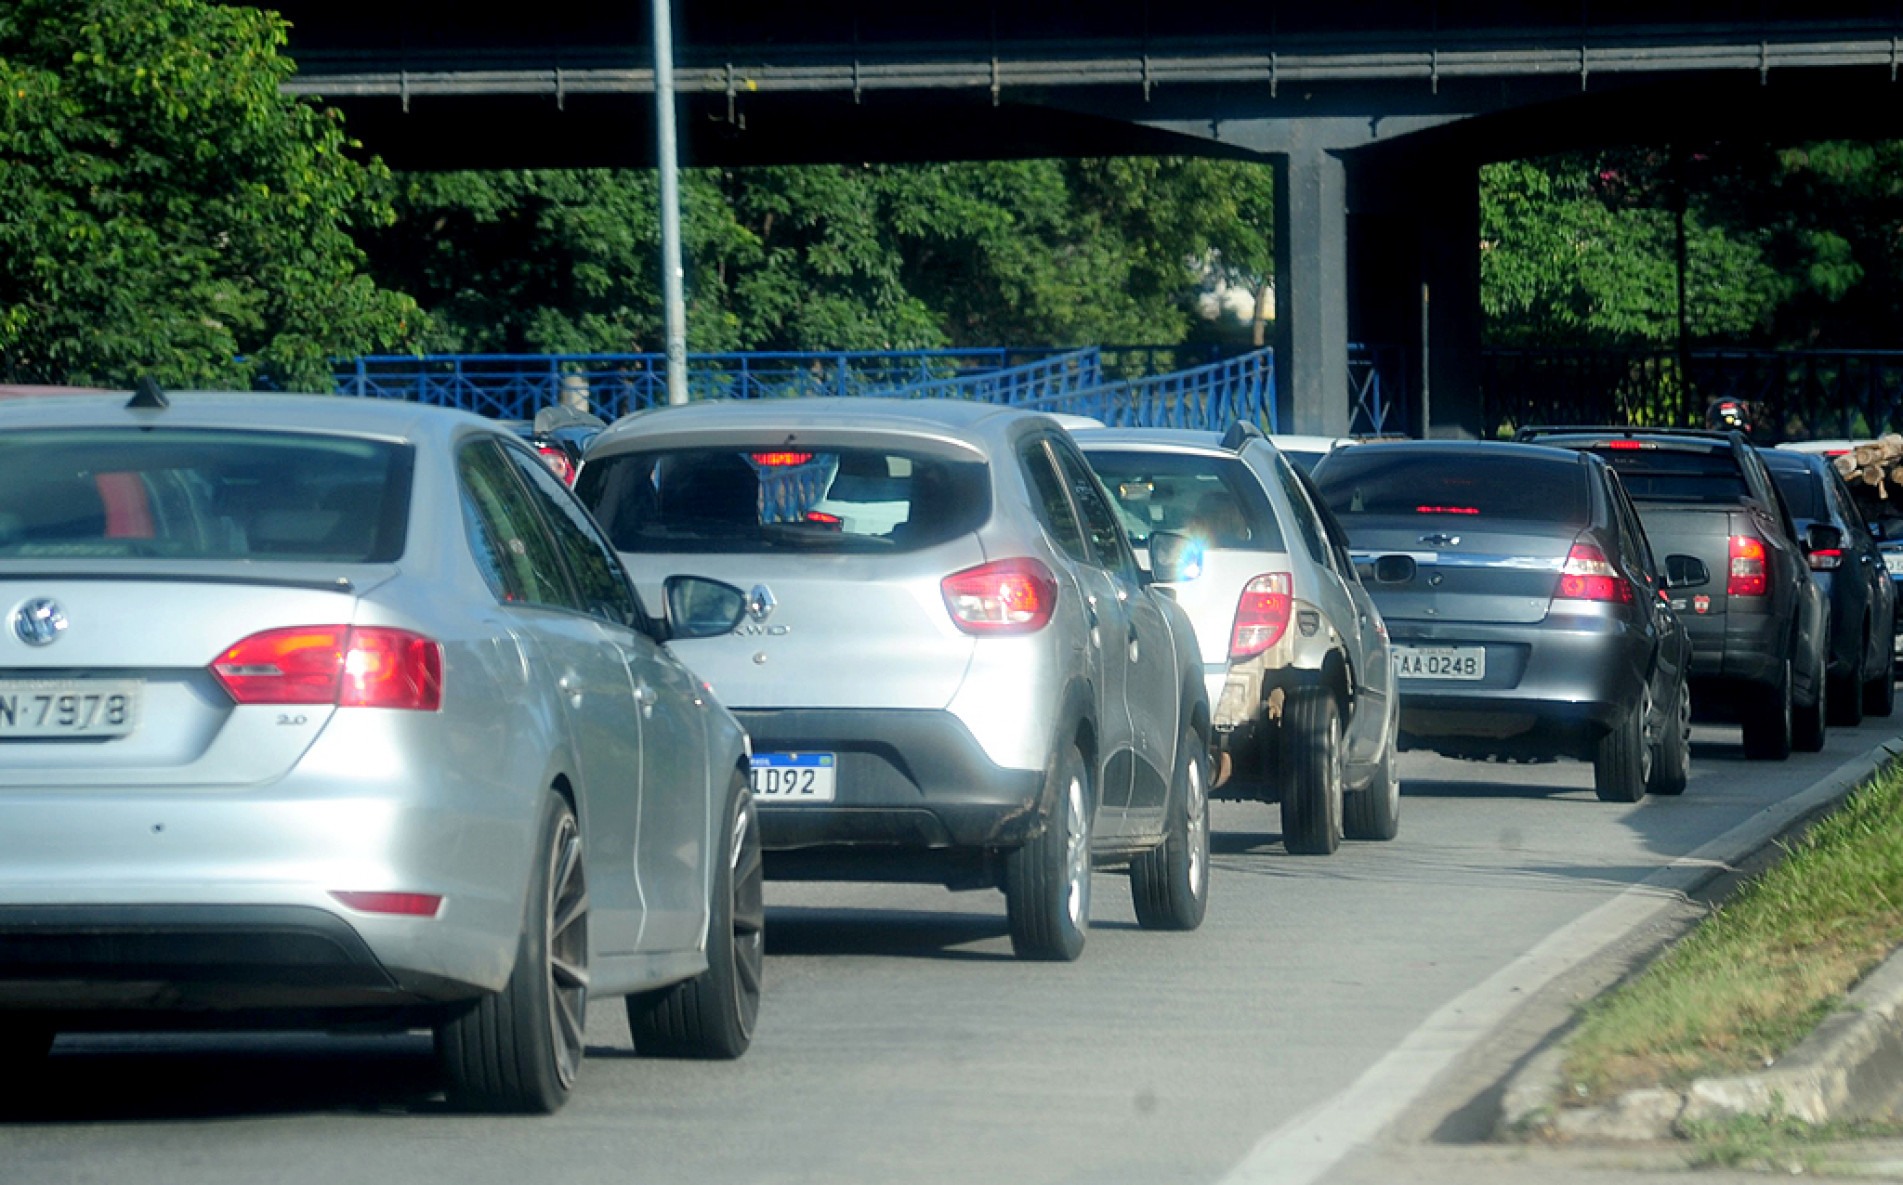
x=1004, y=597
x=558, y=462
x=1746, y=577
x=350, y=667
x=1827, y=559
x=1588, y=576
x=1261, y=615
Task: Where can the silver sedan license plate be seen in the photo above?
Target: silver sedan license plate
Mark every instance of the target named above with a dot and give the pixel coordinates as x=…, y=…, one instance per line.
x=794, y=777
x=80, y=709
x=1441, y=662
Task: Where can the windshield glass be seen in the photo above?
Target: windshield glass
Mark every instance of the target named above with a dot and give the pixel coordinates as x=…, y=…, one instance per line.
x=194, y=494
x=742, y=500
x=1211, y=499
x=1373, y=480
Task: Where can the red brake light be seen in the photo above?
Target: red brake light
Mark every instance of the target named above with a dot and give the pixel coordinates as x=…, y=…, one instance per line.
x=415, y=905
x=1827, y=559
x=558, y=462
x=780, y=460
x=1623, y=445
x=1588, y=576
x=824, y=519
x=1446, y=510
x=1261, y=615
x=1747, y=575
x=363, y=667
x=1005, y=597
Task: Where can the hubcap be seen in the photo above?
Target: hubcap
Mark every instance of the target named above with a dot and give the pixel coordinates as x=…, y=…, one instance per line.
x=749, y=917
x=1197, y=802
x=1077, y=855
x=567, y=950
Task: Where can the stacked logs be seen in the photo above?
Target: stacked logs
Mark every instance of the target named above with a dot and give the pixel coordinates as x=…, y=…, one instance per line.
x=1878, y=464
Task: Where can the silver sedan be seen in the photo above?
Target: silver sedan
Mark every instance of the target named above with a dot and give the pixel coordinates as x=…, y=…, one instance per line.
x=318, y=711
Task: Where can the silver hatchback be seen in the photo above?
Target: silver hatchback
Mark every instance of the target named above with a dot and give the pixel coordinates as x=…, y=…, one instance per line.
x=953, y=670
x=320, y=712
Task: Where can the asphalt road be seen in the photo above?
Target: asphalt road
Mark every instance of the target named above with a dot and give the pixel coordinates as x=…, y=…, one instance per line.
x=900, y=1041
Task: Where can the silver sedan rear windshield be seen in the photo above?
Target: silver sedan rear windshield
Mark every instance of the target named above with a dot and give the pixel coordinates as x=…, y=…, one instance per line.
x=775, y=499
x=192, y=494
x=1477, y=483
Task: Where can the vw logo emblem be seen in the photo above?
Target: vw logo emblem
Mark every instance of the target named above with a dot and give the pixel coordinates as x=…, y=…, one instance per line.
x=760, y=603
x=39, y=622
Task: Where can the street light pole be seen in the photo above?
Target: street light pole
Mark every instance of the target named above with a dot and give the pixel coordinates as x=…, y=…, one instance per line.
x=666, y=160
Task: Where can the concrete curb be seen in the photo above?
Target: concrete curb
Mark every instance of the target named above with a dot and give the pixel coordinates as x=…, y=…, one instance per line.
x=1850, y=1067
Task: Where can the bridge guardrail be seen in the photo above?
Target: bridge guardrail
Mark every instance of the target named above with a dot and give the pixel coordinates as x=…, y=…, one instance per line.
x=1211, y=397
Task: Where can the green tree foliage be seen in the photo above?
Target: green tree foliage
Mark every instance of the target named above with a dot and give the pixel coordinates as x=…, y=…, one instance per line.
x=167, y=211
x=826, y=257
x=1581, y=250
x=1784, y=247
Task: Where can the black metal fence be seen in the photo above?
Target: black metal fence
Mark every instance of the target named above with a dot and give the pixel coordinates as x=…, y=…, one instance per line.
x=1792, y=394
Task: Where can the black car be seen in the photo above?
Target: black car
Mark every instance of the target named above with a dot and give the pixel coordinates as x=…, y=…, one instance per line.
x=1847, y=565
x=1760, y=625
x=1534, y=624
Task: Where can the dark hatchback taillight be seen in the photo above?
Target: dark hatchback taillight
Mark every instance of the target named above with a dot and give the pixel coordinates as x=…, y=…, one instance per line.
x=349, y=667
x=1747, y=576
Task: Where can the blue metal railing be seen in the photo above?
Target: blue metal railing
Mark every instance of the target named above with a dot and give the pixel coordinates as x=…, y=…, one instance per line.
x=516, y=386
x=1211, y=397
x=1058, y=374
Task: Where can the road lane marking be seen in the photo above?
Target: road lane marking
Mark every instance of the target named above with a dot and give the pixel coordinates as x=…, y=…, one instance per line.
x=1303, y=1149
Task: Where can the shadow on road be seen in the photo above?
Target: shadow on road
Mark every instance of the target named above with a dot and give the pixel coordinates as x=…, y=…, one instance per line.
x=895, y=933
x=91, y=1079
x=1437, y=788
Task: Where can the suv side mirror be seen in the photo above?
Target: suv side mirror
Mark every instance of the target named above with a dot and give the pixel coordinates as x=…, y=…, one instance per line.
x=1174, y=558
x=1685, y=571
x=1388, y=569
x=1823, y=537
x=698, y=607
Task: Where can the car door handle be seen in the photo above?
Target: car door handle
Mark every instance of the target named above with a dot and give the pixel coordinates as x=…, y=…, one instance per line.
x=1090, y=611
x=644, y=696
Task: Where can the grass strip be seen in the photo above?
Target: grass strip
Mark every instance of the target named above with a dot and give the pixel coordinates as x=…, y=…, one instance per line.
x=1758, y=974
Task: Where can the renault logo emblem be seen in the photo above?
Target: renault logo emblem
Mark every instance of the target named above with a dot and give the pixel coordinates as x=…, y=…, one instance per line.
x=39, y=622
x=760, y=603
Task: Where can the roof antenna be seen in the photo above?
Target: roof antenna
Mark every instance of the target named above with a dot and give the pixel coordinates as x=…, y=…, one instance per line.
x=147, y=395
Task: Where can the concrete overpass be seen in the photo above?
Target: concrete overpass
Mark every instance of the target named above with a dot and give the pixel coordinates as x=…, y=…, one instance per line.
x=1376, y=115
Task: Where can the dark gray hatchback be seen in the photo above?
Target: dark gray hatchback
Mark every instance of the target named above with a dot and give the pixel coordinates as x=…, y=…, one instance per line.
x=1535, y=625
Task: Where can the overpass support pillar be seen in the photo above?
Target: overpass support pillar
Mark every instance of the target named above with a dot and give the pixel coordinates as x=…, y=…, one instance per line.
x=1415, y=232
x=1311, y=291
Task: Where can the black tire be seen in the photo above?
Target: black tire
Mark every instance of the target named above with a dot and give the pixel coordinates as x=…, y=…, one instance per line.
x=712, y=1015
x=1879, y=694
x=1672, y=764
x=1809, y=721
x=24, y=1043
x=1375, y=811
x=1846, y=702
x=1312, y=774
x=1047, y=881
x=1169, y=884
x=1622, y=760
x=519, y=1051
x=1767, y=720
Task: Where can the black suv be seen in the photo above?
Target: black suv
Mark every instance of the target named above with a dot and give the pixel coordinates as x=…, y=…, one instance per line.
x=1760, y=626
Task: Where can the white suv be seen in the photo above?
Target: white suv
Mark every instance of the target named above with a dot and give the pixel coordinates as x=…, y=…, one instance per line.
x=1294, y=651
